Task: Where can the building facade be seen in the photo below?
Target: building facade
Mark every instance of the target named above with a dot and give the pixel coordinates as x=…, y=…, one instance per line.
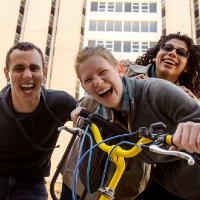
x=60, y=27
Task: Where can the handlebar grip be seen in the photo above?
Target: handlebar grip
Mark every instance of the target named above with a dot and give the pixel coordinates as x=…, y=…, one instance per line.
x=169, y=139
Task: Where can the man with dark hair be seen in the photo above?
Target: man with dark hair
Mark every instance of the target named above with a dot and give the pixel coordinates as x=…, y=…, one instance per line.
x=30, y=116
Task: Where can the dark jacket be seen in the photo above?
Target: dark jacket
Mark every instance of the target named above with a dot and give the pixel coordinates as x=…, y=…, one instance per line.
x=28, y=140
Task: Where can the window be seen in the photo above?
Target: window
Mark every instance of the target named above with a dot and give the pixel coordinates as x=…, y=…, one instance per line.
x=102, y=6
x=135, y=47
x=109, y=45
x=117, y=46
x=145, y=46
x=91, y=42
x=196, y=13
x=153, y=26
x=110, y=26
x=118, y=7
x=197, y=25
x=136, y=7
x=50, y=30
x=135, y=27
x=118, y=26
x=152, y=44
x=111, y=7
x=198, y=33
x=93, y=25
x=17, y=37
x=127, y=26
x=145, y=7
x=21, y=10
x=52, y=10
x=144, y=26
x=47, y=52
x=18, y=31
x=100, y=43
x=101, y=26
x=152, y=7
x=127, y=7
x=94, y=6
x=164, y=31
x=82, y=31
x=163, y=12
x=84, y=11
x=127, y=47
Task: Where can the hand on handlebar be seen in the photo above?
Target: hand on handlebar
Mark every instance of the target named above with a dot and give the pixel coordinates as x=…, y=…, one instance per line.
x=75, y=114
x=187, y=137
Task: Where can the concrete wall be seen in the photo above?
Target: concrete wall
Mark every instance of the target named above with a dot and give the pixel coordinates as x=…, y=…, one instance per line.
x=178, y=17
x=9, y=10
x=66, y=46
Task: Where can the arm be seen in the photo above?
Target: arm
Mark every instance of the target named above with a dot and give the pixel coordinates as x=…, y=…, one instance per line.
x=178, y=177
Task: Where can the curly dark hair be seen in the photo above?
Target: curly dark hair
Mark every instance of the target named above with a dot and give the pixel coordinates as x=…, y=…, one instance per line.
x=23, y=46
x=190, y=80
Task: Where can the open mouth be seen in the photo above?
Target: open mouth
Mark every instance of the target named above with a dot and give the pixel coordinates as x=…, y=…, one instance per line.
x=27, y=88
x=170, y=62
x=105, y=93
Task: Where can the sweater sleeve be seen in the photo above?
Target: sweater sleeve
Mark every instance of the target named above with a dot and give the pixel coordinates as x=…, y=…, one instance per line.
x=176, y=176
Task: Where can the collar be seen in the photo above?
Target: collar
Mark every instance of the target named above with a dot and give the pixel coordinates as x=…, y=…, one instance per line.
x=106, y=112
x=151, y=72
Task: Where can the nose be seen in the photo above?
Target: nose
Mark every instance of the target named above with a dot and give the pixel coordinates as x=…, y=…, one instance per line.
x=27, y=74
x=173, y=53
x=98, y=81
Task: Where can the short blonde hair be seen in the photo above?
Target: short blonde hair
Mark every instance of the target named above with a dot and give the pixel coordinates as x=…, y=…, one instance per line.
x=89, y=51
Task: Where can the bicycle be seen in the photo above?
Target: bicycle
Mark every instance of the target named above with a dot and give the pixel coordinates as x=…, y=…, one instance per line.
x=147, y=140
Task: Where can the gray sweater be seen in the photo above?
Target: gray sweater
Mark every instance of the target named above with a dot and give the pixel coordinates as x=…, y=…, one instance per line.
x=155, y=100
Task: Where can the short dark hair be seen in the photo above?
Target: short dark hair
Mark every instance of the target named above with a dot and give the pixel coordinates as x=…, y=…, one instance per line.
x=23, y=46
x=190, y=80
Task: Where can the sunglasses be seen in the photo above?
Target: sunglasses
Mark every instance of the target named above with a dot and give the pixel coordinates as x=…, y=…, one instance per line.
x=169, y=47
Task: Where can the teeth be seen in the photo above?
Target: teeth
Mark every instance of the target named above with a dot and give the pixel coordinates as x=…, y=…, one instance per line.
x=27, y=86
x=103, y=91
x=169, y=61
x=28, y=91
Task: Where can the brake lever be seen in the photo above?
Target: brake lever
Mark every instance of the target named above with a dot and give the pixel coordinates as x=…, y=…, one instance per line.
x=77, y=131
x=154, y=148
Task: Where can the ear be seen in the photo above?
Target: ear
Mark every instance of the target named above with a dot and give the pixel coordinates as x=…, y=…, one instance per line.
x=44, y=72
x=6, y=74
x=186, y=70
x=120, y=70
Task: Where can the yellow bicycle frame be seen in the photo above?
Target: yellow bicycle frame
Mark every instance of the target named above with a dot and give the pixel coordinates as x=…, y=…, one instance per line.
x=117, y=156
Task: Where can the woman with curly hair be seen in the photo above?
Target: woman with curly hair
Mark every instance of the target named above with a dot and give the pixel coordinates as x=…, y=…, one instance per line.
x=174, y=58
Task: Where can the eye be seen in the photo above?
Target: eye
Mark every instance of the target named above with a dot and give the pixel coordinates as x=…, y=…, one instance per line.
x=103, y=72
x=88, y=80
x=17, y=69
x=35, y=68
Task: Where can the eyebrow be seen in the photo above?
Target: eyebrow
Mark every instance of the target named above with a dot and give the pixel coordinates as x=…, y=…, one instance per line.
x=21, y=65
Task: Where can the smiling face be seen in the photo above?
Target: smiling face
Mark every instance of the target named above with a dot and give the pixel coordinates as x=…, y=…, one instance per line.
x=25, y=75
x=102, y=81
x=170, y=65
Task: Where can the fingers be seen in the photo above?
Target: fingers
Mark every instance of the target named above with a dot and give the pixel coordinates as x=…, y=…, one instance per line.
x=75, y=114
x=187, y=137
x=141, y=76
x=190, y=94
